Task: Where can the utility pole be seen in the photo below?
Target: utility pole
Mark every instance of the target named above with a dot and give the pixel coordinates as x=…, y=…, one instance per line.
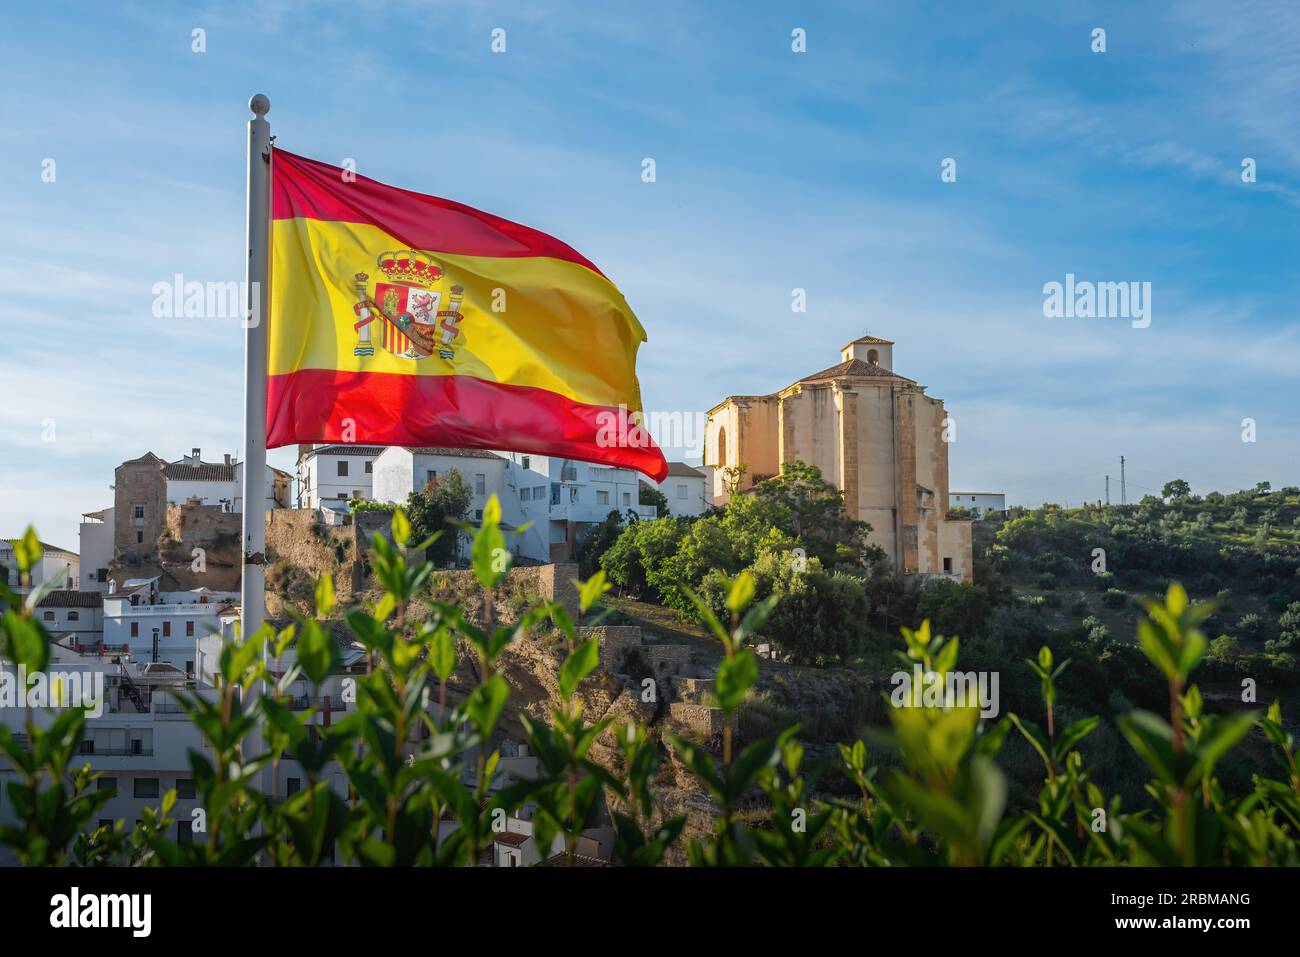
x=1107, y=489
x=1123, y=485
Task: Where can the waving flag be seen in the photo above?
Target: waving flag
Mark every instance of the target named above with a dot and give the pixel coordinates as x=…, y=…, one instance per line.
x=403, y=319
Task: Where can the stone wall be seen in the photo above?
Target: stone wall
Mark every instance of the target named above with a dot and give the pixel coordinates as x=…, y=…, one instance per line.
x=700, y=719
x=138, y=483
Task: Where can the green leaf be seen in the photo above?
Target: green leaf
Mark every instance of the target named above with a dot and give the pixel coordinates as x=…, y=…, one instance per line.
x=25, y=643
x=581, y=662
x=589, y=592
x=489, y=556
x=401, y=528
x=485, y=704
x=442, y=654
x=325, y=600
x=1217, y=738
x=736, y=675
x=27, y=550
x=318, y=652
x=741, y=593
x=1152, y=738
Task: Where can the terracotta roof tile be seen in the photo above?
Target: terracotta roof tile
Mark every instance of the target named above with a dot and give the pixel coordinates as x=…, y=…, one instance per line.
x=457, y=453
x=63, y=598
x=851, y=368
x=178, y=472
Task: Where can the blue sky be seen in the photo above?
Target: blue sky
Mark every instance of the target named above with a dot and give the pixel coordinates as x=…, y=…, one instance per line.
x=775, y=170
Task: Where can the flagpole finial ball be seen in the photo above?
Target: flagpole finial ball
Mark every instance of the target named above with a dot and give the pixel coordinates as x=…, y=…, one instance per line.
x=260, y=104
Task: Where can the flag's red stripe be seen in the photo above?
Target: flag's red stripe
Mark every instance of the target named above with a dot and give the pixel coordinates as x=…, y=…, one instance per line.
x=313, y=405
x=310, y=189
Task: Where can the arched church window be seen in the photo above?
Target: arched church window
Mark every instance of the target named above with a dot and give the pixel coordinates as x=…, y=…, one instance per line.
x=722, y=447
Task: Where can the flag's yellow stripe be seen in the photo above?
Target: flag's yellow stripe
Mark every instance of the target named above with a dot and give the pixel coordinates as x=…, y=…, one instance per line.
x=562, y=327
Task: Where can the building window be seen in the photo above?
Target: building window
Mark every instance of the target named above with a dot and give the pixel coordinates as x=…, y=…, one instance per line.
x=184, y=832
x=189, y=629
x=370, y=466
x=681, y=491
x=87, y=746
x=73, y=616
x=555, y=493
x=602, y=497
x=139, y=538
x=627, y=498
x=292, y=786
x=873, y=357
x=722, y=447
x=430, y=476
x=524, y=495
x=185, y=788
x=101, y=575
x=106, y=784
x=48, y=616
x=568, y=473
x=343, y=467
x=523, y=462
x=947, y=566
x=167, y=629
x=478, y=514
x=146, y=787
x=135, y=629
x=138, y=512
x=480, y=483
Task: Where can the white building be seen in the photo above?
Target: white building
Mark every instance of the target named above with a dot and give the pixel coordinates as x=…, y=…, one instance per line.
x=96, y=549
x=330, y=475
x=560, y=497
x=73, y=616
x=191, y=480
x=54, y=563
x=686, y=488
x=153, y=625
x=555, y=498
x=399, y=471
x=981, y=503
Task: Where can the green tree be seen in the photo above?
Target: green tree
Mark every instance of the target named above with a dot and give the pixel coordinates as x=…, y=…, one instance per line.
x=954, y=608
x=813, y=512
x=433, y=510
x=1176, y=490
x=653, y=496
x=595, y=542
x=819, y=617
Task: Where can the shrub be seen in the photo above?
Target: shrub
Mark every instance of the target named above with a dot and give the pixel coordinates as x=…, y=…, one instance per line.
x=431, y=800
x=955, y=608
x=1114, y=598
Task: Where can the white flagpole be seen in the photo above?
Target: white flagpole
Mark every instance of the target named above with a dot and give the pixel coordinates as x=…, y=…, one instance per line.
x=252, y=587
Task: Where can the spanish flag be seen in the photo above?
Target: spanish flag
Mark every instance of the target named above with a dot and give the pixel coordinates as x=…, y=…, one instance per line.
x=404, y=319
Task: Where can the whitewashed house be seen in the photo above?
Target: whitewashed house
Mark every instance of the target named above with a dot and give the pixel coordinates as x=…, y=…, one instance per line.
x=552, y=499
x=981, y=503
x=191, y=480
x=686, y=488
x=54, y=563
x=330, y=475
x=562, y=497
x=153, y=625
x=96, y=534
x=73, y=617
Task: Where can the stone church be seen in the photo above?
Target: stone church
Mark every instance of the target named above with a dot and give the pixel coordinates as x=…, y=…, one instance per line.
x=873, y=433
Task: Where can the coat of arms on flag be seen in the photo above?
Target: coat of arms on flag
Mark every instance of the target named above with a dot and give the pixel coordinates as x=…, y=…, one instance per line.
x=407, y=306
